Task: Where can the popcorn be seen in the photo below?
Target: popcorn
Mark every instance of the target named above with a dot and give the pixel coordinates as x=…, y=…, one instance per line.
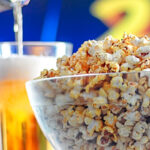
x=142, y=81
x=106, y=86
x=110, y=55
x=68, y=112
x=130, y=95
x=72, y=133
x=141, y=127
x=91, y=112
x=145, y=64
x=146, y=101
x=77, y=118
x=88, y=95
x=145, y=111
x=144, y=140
x=142, y=85
x=118, y=56
x=140, y=41
x=109, y=40
x=102, y=141
x=146, y=74
x=62, y=99
x=116, y=82
x=132, y=60
x=102, y=93
x=105, y=57
x=113, y=95
x=94, y=47
x=109, y=108
x=139, y=146
x=110, y=119
x=115, y=109
x=88, y=120
x=134, y=99
x=120, y=145
x=124, y=131
x=126, y=67
x=104, y=109
x=99, y=101
x=109, y=132
x=95, y=125
x=129, y=123
x=113, y=66
x=85, y=134
x=137, y=135
x=143, y=51
x=132, y=116
x=96, y=80
x=74, y=94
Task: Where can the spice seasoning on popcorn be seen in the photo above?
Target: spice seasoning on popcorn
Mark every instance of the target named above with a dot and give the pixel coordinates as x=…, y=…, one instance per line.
x=104, y=111
x=110, y=55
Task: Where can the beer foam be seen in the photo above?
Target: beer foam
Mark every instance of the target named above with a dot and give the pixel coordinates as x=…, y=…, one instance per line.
x=24, y=67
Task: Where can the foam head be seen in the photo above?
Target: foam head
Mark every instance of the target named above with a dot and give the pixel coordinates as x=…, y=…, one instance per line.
x=24, y=67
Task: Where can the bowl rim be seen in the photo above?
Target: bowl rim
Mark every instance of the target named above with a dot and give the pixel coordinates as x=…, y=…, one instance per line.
x=84, y=75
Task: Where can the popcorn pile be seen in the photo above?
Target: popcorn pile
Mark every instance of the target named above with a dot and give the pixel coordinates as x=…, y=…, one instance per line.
x=109, y=111
x=110, y=55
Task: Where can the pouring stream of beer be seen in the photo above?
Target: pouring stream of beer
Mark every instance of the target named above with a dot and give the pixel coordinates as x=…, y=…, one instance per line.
x=18, y=26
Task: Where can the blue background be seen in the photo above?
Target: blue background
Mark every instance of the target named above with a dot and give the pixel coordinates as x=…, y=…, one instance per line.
x=54, y=20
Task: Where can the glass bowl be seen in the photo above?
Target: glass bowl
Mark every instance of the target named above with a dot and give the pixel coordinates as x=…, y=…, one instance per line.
x=94, y=111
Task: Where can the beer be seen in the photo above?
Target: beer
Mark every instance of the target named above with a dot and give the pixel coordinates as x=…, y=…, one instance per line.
x=20, y=131
x=18, y=125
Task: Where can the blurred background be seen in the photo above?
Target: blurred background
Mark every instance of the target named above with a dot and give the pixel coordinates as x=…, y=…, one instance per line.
x=78, y=20
x=73, y=21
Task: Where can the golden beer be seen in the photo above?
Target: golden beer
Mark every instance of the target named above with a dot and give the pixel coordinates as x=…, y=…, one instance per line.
x=18, y=127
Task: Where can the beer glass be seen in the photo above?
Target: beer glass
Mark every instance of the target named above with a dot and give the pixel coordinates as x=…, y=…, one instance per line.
x=18, y=127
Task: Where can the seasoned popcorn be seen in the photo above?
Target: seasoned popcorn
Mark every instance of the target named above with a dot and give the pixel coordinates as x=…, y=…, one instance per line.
x=110, y=119
x=143, y=51
x=133, y=60
x=124, y=131
x=116, y=82
x=108, y=109
x=109, y=55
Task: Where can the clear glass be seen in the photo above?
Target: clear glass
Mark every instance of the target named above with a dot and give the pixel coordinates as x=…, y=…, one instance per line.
x=94, y=111
x=18, y=127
